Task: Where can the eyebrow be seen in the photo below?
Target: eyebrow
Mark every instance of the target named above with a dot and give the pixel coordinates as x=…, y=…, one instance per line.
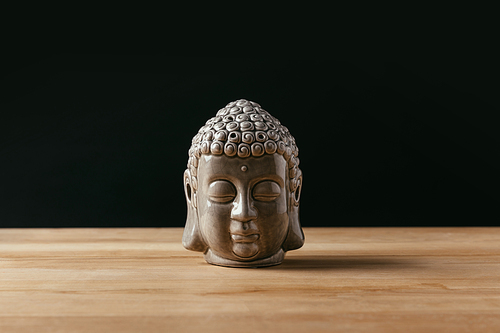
x=261, y=178
x=273, y=177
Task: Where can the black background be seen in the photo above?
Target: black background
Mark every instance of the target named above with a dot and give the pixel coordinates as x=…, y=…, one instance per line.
x=101, y=140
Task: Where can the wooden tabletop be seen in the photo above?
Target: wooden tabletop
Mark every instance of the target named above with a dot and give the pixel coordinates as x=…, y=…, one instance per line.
x=342, y=280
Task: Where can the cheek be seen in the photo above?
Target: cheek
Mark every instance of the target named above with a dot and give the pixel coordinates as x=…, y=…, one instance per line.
x=214, y=220
x=273, y=226
x=273, y=216
x=273, y=223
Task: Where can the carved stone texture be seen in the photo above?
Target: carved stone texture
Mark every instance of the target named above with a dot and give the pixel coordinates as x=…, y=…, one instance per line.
x=242, y=187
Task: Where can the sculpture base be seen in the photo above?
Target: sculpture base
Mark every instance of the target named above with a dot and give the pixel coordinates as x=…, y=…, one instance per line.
x=273, y=260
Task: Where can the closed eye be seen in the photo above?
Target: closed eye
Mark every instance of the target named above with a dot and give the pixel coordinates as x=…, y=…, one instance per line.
x=222, y=198
x=266, y=191
x=265, y=197
x=221, y=191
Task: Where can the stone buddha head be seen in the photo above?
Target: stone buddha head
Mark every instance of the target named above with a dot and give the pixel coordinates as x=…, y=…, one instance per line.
x=242, y=187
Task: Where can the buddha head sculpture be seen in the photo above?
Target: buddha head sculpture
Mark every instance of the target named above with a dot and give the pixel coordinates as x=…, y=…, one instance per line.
x=242, y=187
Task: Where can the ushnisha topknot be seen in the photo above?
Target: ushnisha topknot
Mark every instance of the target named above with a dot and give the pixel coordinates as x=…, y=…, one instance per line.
x=244, y=129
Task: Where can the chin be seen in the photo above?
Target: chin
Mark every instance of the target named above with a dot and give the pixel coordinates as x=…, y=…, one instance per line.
x=259, y=260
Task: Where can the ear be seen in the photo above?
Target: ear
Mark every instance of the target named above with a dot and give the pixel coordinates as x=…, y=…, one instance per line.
x=191, y=239
x=295, y=238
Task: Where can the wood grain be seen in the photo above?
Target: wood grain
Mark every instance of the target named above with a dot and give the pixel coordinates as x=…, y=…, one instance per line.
x=342, y=280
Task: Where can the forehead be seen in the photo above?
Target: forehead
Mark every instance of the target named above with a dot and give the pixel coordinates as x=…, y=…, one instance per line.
x=212, y=166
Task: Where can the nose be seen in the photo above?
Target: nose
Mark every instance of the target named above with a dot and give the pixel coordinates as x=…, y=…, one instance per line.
x=243, y=210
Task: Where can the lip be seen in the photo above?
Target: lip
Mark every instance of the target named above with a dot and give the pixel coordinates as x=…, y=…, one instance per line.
x=244, y=238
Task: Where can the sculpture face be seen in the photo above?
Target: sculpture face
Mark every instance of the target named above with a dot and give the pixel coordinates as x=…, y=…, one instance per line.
x=242, y=188
x=242, y=204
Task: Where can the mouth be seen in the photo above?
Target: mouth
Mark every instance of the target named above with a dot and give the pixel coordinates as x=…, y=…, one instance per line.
x=244, y=238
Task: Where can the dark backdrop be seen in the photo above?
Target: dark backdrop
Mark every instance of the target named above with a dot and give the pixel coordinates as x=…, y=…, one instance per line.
x=101, y=140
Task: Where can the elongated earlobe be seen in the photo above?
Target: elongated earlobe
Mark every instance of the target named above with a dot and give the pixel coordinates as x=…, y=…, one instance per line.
x=191, y=239
x=295, y=238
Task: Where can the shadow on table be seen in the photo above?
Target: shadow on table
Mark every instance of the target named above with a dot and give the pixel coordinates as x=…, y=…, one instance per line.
x=344, y=262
